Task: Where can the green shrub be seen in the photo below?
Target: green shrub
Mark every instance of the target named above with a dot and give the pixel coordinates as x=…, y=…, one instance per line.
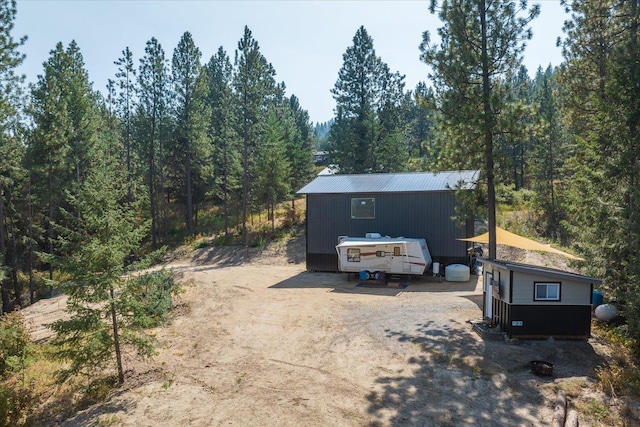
x=14, y=343
x=151, y=297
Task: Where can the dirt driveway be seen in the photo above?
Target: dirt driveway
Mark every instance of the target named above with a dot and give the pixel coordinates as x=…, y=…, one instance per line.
x=265, y=343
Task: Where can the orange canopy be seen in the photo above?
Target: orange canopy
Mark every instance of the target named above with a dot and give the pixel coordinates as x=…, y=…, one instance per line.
x=504, y=237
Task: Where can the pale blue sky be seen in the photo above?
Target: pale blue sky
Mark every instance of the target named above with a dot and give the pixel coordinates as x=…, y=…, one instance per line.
x=303, y=40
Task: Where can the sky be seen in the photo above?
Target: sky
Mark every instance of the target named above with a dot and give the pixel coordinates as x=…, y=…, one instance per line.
x=303, y=40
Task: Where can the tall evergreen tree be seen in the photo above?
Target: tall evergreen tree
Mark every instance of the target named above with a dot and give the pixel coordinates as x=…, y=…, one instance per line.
x=191, y=146
x=126, y=76
x=371, y=100
x=272, y=180
x=419, y=120
x=356, y=94
x=104, y=232
x=390, y=151
x=549, y=153
x=299, y=146
x=61, y=147
x=253, y=84
x=11, y=152
x=480, y=42
x=222, y=133
x=152, y=128
x=601, y=83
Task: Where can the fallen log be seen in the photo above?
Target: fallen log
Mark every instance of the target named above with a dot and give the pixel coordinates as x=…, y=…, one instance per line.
x=560, y=410
x=572, y=419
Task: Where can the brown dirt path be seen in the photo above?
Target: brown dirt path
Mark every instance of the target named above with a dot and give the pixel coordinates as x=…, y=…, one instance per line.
x=261, y=342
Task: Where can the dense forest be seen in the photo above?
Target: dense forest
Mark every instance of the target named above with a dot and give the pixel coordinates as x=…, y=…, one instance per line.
x=135, y=166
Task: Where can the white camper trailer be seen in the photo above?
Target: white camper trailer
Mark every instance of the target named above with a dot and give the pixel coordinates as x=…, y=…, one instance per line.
x=373, y=253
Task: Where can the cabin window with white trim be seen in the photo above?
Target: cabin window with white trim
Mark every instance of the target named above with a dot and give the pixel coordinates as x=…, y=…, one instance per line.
x=547, y=291
x=363, y=208
x=353, y=255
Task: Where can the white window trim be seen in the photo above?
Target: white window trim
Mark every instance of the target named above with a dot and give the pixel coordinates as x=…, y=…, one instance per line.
x=547, y=284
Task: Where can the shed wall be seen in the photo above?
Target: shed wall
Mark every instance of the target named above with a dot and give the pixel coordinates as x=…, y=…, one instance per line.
x=571, y=293
x=421, y=215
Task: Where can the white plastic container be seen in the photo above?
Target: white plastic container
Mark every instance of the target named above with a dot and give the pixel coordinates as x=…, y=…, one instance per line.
x=435, y=267
x=457, y=273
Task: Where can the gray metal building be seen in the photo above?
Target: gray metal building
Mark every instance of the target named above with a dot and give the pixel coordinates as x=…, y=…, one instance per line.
x=419, y=205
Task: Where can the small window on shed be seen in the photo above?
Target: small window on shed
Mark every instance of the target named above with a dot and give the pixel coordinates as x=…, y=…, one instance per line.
x=547, y=292
x=353, y=255
x=363, y=208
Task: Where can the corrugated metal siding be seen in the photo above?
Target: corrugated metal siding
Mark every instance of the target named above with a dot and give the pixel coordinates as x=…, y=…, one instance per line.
x=560, y=321
x=391, y=182
x=426, y=215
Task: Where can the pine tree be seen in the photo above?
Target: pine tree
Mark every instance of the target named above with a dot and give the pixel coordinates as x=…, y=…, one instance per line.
x=418, y=117
x=272, y=166
x=480, y=43
x=355, y=93
x=390, y=152
x=222, y=132
x=191, y=146
x=126, y=83
x=253, y=83
x=62, y=145
x=152, y=128
x=601, y=82
x=11, y=148
x=104, y=232
x=299, y=149
x=549, y=153
x=371, y=101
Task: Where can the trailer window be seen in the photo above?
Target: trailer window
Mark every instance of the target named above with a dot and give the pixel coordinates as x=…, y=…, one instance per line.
x=363, y=208
x=353, y=255
x=547, y=292
x=381, y=253
x=396, y=251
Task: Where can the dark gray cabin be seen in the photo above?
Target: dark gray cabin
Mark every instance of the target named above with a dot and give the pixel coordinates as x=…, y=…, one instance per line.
x=418, y=205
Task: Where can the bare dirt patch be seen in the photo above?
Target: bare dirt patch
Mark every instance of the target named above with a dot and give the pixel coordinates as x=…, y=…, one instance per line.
x=261, y=342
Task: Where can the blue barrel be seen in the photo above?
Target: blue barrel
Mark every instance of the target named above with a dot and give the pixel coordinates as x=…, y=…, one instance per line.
x=364, y=275
x=596, y=298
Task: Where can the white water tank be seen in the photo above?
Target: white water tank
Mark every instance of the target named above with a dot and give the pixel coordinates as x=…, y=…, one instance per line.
x=436, y=268
x=457, y=273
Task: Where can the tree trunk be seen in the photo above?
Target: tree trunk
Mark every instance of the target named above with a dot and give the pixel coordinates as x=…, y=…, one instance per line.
x=190, y=228
x=245, y=188
x=32, y=292
x=488, y=134
x=17, y=288
x=116, y=337
x=225, y=192
x=3, y=244
x=152, y=176
x=50, y=231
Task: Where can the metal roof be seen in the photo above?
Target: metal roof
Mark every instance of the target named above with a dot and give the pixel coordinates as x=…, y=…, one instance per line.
x=392, y=182
x=545, y=271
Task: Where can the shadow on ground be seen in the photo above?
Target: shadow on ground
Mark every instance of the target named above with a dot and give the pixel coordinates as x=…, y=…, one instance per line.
x=460, y=380
x=340, y=282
